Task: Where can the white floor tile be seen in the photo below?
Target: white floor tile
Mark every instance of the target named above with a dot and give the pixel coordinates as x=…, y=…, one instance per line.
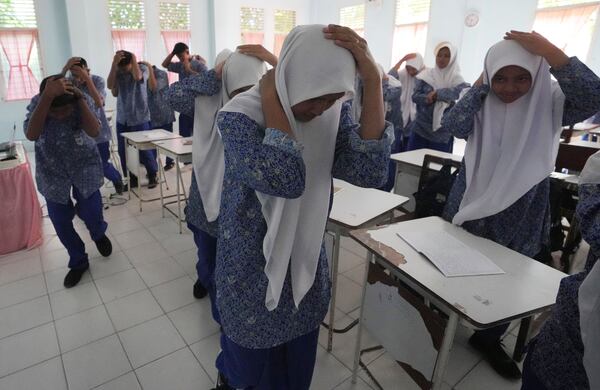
x=160, y=271
x=165, y=229
x=27, y=349
x=389, y=374
x=55, y=279
x=484, y=374
x=349, y=294
x=187, y=260
x=178, y=243
x=26, y=315
x=463, y=359
x=151, y=340
x=349, y=260
x=22, y=290
x=133, y=309
x=47, y=375
x=74, y=300
x=124, y=225
x=353, y=246
x=119, y=285
x=348, y=385
x=51, y=243
x=146, y=253
x=20, y=255
x=56, y=259
x=195, y=321
x=18, y=270
x=95, y=363
x=126, y=382
x=102, y=267
x=174, y=294
x=176, y=371
x=83, y=328
x=206, y=352
x=151, y=218
x=329, y=372
x=134, y=238
x=356, y=274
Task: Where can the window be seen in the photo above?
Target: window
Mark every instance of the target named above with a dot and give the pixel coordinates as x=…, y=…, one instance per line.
x=354, y=17
x=285, y=21
x=20, y=63
x=252, y=26
x=128, y=24
x=175, y=27
x=569, y=24
x=410, y=33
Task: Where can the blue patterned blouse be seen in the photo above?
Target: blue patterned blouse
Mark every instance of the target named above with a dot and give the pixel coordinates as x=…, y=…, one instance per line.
x=423, y=123
x=65, y=157
x=556, y=354
x=525, y=225
x=132, y=100
x=177, y=67
x=105, y=132
x=160, y=112
x=393, y=113
x=267, y=160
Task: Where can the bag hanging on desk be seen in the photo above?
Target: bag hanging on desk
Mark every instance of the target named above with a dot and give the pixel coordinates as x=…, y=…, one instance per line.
x=433, y=194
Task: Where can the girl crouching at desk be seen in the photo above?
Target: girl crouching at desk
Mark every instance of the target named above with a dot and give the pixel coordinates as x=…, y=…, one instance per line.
x=512, y=120
x=63, y=127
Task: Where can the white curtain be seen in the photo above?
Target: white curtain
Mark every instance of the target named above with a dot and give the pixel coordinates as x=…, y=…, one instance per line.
x=409, y=38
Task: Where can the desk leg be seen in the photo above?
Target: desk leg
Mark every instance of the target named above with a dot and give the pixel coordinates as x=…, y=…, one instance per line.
x=360, y=319
x=178, y=196
x=396, y=190
x=444, y=354
x=126, y=173
x=139, y=186
x=522, y=339
x=334, y=276
x=161, y=176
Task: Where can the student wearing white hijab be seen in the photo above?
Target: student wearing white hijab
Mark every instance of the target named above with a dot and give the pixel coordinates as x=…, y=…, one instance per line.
x=407, y=77
x=283, y=142
x=238, y=73
x=512, y=120
x=564, y=355
x=435, y=91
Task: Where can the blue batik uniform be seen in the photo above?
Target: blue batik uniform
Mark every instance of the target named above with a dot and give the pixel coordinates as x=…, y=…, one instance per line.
x=133, y=114
x=162, y=115
x=269, y=161
x=181, y=97
x=393, y=114
x=103, y=140
x=525, y=225
x=186, y=121
x=422, y=135
x=67, y=159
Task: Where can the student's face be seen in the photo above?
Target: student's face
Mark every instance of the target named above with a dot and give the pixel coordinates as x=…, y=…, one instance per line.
x=61, y=113
x=511, y=83
x=412, y=71
x=184, y=56
x=239, y=90
x=310, y=109
x=443, y=58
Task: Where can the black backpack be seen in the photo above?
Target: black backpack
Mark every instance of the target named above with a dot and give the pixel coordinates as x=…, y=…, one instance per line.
x=434, y=189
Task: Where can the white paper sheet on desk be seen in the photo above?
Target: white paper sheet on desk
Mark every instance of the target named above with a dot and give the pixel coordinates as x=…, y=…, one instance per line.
x=451, y=256
x=154, y=134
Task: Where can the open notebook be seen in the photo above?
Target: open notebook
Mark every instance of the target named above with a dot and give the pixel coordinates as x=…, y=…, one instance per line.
x=451, y=256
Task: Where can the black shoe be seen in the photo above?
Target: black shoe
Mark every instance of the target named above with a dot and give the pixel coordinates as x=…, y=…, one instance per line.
x=74, y=276
x=152, y=181
x=169, y=165
x=494, y=353
x=222, y=383
x=104, y=246
x=119, y=187
x=133, y=181
x=199, y=290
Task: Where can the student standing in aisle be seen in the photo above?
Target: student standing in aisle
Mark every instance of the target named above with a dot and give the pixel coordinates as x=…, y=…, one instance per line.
x=63, y=127
x=436, y=90
x=512, y=120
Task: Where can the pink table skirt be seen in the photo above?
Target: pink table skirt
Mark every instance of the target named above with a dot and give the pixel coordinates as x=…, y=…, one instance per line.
x=20, y=212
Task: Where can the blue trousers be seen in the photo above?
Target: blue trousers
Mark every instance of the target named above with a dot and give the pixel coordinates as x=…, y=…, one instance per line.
x=147, y=157
x=530, y=380
x=90, y=211
x=415, y=141
x=110, y=172
x=169, y=128
x=286, y=367
x=205, y=266
x=186, y=125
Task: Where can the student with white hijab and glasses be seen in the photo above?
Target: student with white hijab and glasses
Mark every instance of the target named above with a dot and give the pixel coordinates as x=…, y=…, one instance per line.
x=435, y=92
x=512, y=120
x=408, y=80
x=201, y=97
x=283, y=141
x=565, y=354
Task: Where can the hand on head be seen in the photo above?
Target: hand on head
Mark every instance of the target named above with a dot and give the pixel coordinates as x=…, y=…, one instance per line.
x=119, y=55
x=409, y=56
x=56, y=87
x=259, y=52
x=347, y=38
x=532, y=42
x=71, y=63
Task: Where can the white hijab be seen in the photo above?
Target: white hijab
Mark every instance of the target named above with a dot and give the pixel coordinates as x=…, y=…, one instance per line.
x=239, y=71
x=442, y=78
x=513, y=146
x=309, y=66
x=589, y=295
x=409, y=108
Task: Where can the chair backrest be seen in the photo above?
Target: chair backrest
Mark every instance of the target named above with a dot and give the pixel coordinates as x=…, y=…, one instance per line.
x=436, y=180
x=573, y=156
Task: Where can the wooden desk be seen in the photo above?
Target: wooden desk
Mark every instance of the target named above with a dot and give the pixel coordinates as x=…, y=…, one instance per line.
x=408, y=171
x=180, y=150
x=143, y=140
x=528, y=287
x=354, y=208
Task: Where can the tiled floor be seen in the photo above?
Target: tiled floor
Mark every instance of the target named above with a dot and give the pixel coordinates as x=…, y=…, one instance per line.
x=133, y=323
